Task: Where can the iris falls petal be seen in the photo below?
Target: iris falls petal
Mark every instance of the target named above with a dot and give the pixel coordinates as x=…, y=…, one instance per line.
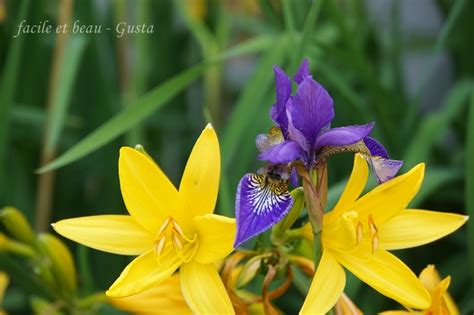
x=260, y=203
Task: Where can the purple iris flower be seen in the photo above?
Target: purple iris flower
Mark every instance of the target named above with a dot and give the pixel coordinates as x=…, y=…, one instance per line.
x=302, y=132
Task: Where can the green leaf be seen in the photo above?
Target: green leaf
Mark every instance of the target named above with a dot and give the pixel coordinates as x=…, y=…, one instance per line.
x=469, y=175
x=145, y=106
x=434, y=126
x=68, y=71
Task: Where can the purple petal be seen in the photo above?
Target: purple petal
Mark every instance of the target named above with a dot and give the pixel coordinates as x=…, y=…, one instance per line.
x=344, y=135
x=384, y=169
x=283, y=93
x=375, y=148
x=282, y=153
x=310, y=109
x=260, y=203
x=303, y=72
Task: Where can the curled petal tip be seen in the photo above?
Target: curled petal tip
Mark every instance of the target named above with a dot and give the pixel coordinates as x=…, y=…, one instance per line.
x=209, y=126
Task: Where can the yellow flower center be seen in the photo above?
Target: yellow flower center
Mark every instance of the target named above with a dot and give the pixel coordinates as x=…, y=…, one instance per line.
x=170, y=230
x=353, y=230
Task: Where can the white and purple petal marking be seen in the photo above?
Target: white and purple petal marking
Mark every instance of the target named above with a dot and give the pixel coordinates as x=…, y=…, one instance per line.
x=261, y=202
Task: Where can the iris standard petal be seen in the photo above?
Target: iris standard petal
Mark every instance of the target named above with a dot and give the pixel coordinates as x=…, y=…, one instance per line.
x=165, y=298
x=311, y=109
x=282, y=153
x=344, y=135
x=148, y=194
x=215, y=236
x=390, y=198
x=117, y=234
x=388, y=275
x=145, y=272
x=283, y=93
x=417, y=227
x=354, y=187
x=203, y=289
x=326, y=287
x=260, y=203
x=303, y=72
x=200, y=181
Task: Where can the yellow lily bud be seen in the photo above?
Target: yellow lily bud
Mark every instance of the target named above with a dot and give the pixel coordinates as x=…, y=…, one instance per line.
x=62, y=263
x=3, y=286
x=14, y=247
x=249, y=271
x=17, y=225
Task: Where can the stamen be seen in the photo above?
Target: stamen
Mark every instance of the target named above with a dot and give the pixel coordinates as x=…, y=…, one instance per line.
x=159, y=247
x=163, y=226
x=373, y=234
x=359, y=232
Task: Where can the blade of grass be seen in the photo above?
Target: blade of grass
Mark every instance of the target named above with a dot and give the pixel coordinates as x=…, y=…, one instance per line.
x=243, y=115
x=433, y=126
x=469, y=173
x=8, y=87
x=448, y=26
x=144, y=106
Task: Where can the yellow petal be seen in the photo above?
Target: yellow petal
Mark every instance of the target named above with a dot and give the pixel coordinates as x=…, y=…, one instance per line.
x=165, y=298
x=117, y=234
x=390, y=198
x=399, y=313
x=200, y=182
x=215, y=236
x=326, y=287
x=148, y=194
x=3, y=285
x=355, y=185
x=417, y=227
x=144, y=272
x=203, y=289
x=388, y=275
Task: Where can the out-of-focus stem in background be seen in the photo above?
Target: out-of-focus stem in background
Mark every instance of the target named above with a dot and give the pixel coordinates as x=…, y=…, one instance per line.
x=46, y=180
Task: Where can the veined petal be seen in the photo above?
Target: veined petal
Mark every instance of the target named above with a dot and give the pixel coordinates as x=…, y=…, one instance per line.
x=310, y=109
x=203, y=289
x=326, y=287
x=390, y=198
x=117, y=234
x=282, y=153
x=417, y=227
x=215, y=236
x=384, y=169
x=165, y=298
x=144, y=272
x=388, y=275
x=354, y=187
x=344, y=135
x=148, y=194
x=260, y=203
x=200, y=181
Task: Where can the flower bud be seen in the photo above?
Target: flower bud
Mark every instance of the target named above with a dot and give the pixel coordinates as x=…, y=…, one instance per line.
x=284, y=225
x=17, y=225
x=62, y=263
x=249, y=270
x=14, y=247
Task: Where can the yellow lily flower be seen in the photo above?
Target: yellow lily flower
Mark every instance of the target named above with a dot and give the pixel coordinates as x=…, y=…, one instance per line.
x=358, y=233
x=3, y=286
x=441, y=301
x=164, y=299
x=169, y=229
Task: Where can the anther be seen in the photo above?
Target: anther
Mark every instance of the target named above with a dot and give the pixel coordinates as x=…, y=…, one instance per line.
x=159, y=247
x=359, y=232
x=163, y=226
x=177, y=228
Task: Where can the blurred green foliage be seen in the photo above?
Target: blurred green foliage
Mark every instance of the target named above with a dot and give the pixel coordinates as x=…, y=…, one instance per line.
x=212, y=61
